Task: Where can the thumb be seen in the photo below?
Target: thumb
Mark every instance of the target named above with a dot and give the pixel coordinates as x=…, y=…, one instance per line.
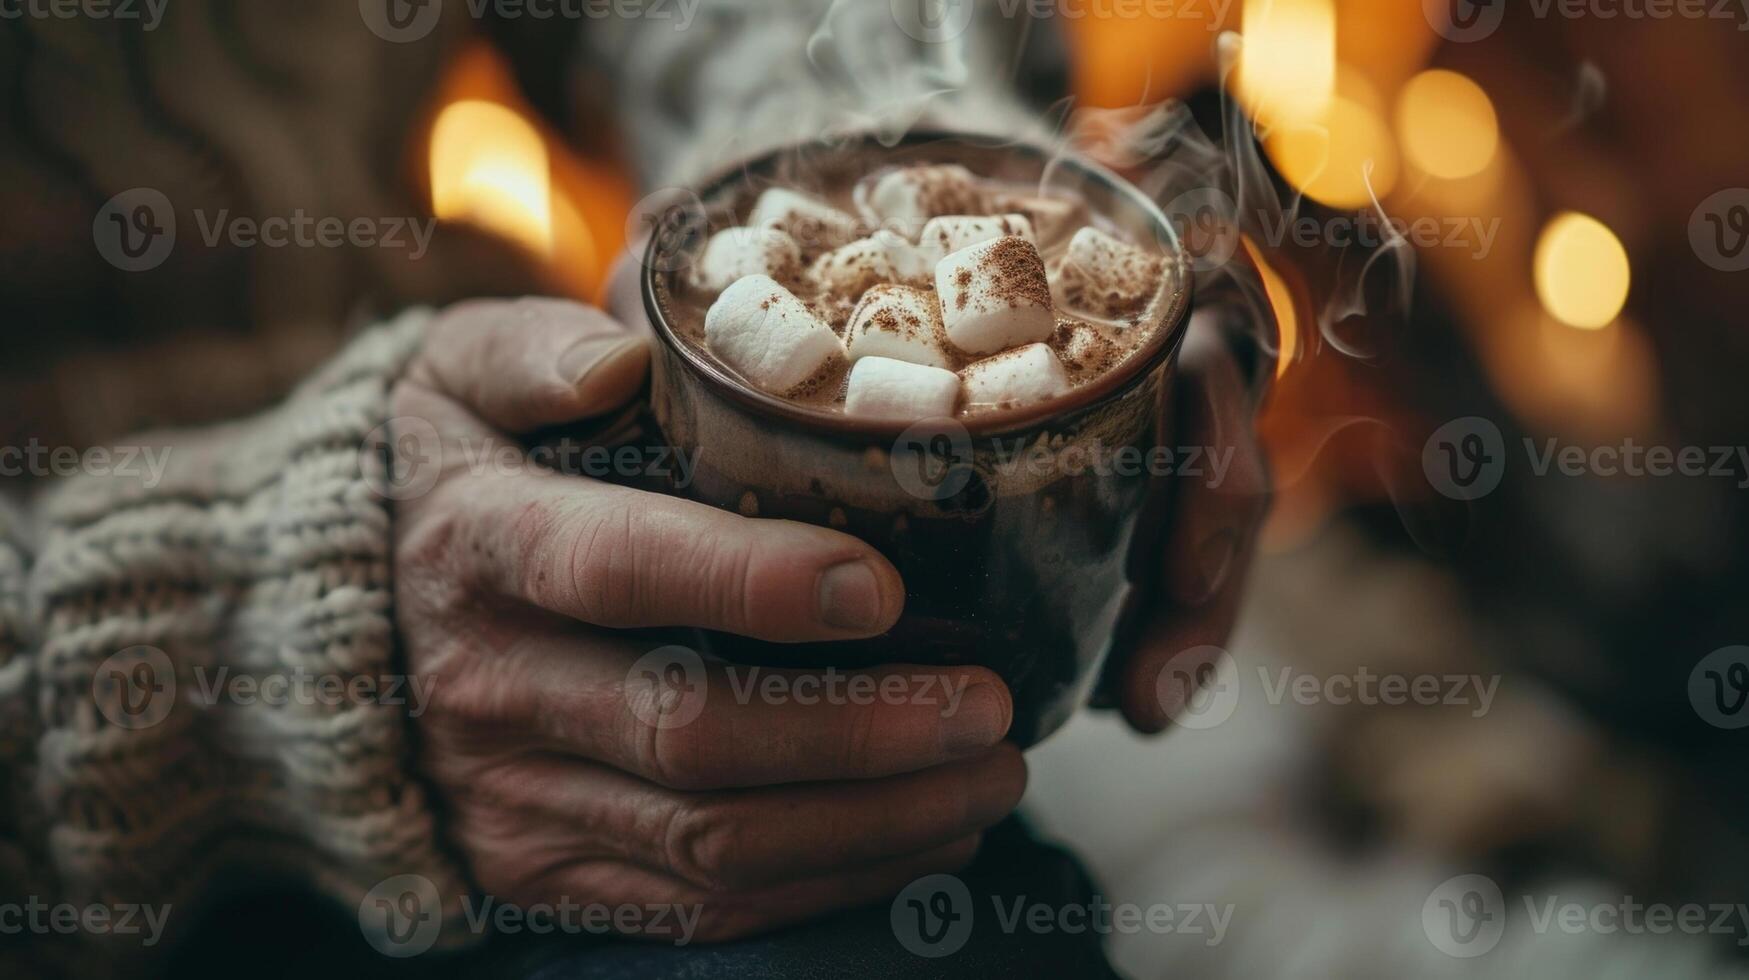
x=524, y=364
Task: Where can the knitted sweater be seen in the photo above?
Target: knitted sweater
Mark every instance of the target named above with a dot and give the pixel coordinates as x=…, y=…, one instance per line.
x=198, y=668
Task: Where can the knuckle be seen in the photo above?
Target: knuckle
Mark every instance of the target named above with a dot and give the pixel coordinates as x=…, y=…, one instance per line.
x=600, y=561
x=675, y=757
x=858, y=742
x=729, y=572
x=700, y=845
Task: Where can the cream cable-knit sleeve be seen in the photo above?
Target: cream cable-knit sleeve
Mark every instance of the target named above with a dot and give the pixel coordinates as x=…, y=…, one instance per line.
x=198, y=671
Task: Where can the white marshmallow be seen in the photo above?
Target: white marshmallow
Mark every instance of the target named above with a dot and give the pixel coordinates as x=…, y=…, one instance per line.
x=812, y=223
x=763, y=331
x=1087, y=349
x=906, y=198
x=994, y=295
x=950, y=233
x=885, y=256
x=736, y=252
x=897, y=322
x=881, y=387
x=1102, y=275
x=1022, y=376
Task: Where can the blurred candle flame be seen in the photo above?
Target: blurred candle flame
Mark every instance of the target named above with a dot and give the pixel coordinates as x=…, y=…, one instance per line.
x=1447, y=125
x=489, y=168
x=1582, y=271
x=1287, y=68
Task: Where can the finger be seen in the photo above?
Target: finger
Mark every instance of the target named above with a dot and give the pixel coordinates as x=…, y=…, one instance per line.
x=1217, y=511
x=620, y=558
x=1175, y=648
x=533, y=362
x=723, y=726
x=754, y=838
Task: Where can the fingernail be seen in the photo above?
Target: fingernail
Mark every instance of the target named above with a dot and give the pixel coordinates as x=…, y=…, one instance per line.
x=583, y=357
x=1214, y=559
x=980, y=722
x=850, y=597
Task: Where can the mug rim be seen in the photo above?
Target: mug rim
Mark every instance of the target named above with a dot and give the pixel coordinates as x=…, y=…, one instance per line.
x=1139, y=365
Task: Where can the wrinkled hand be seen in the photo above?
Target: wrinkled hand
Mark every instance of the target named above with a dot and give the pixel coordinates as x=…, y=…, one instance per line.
x=1212, y=534
x=514, y=589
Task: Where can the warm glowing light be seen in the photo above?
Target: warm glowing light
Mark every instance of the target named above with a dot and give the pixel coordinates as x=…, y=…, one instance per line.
x=1345, y=156
x=489, y=168
x=1287, y=65
x=1447, y=125
x=1582, y=272
x=1281, y=300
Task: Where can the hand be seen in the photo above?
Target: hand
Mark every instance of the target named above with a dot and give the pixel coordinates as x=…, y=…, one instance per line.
x=1213, y=532
x=512, y=587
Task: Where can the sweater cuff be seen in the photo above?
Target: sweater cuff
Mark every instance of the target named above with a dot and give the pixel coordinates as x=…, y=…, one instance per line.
x=216, y=682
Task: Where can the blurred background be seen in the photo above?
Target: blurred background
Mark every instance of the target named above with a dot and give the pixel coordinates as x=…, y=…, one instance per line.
x=1507, y=248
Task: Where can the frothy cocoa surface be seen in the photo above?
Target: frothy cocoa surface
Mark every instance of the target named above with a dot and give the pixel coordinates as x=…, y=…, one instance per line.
x=1098, y=326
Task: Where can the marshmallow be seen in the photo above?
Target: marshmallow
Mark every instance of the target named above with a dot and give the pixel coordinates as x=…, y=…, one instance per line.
x=897, y=322
x=1086, y=349
x=736, y=252
x=906, y=198
x=885, y=256
x=1106, y=277
x=1022, y=376
x=763, y=331
x=995, y=295
x=812, y=223
x=950, y=233
x=883, y=388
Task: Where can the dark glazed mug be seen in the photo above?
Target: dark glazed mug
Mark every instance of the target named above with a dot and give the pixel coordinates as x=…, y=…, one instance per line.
x=1013, y=530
